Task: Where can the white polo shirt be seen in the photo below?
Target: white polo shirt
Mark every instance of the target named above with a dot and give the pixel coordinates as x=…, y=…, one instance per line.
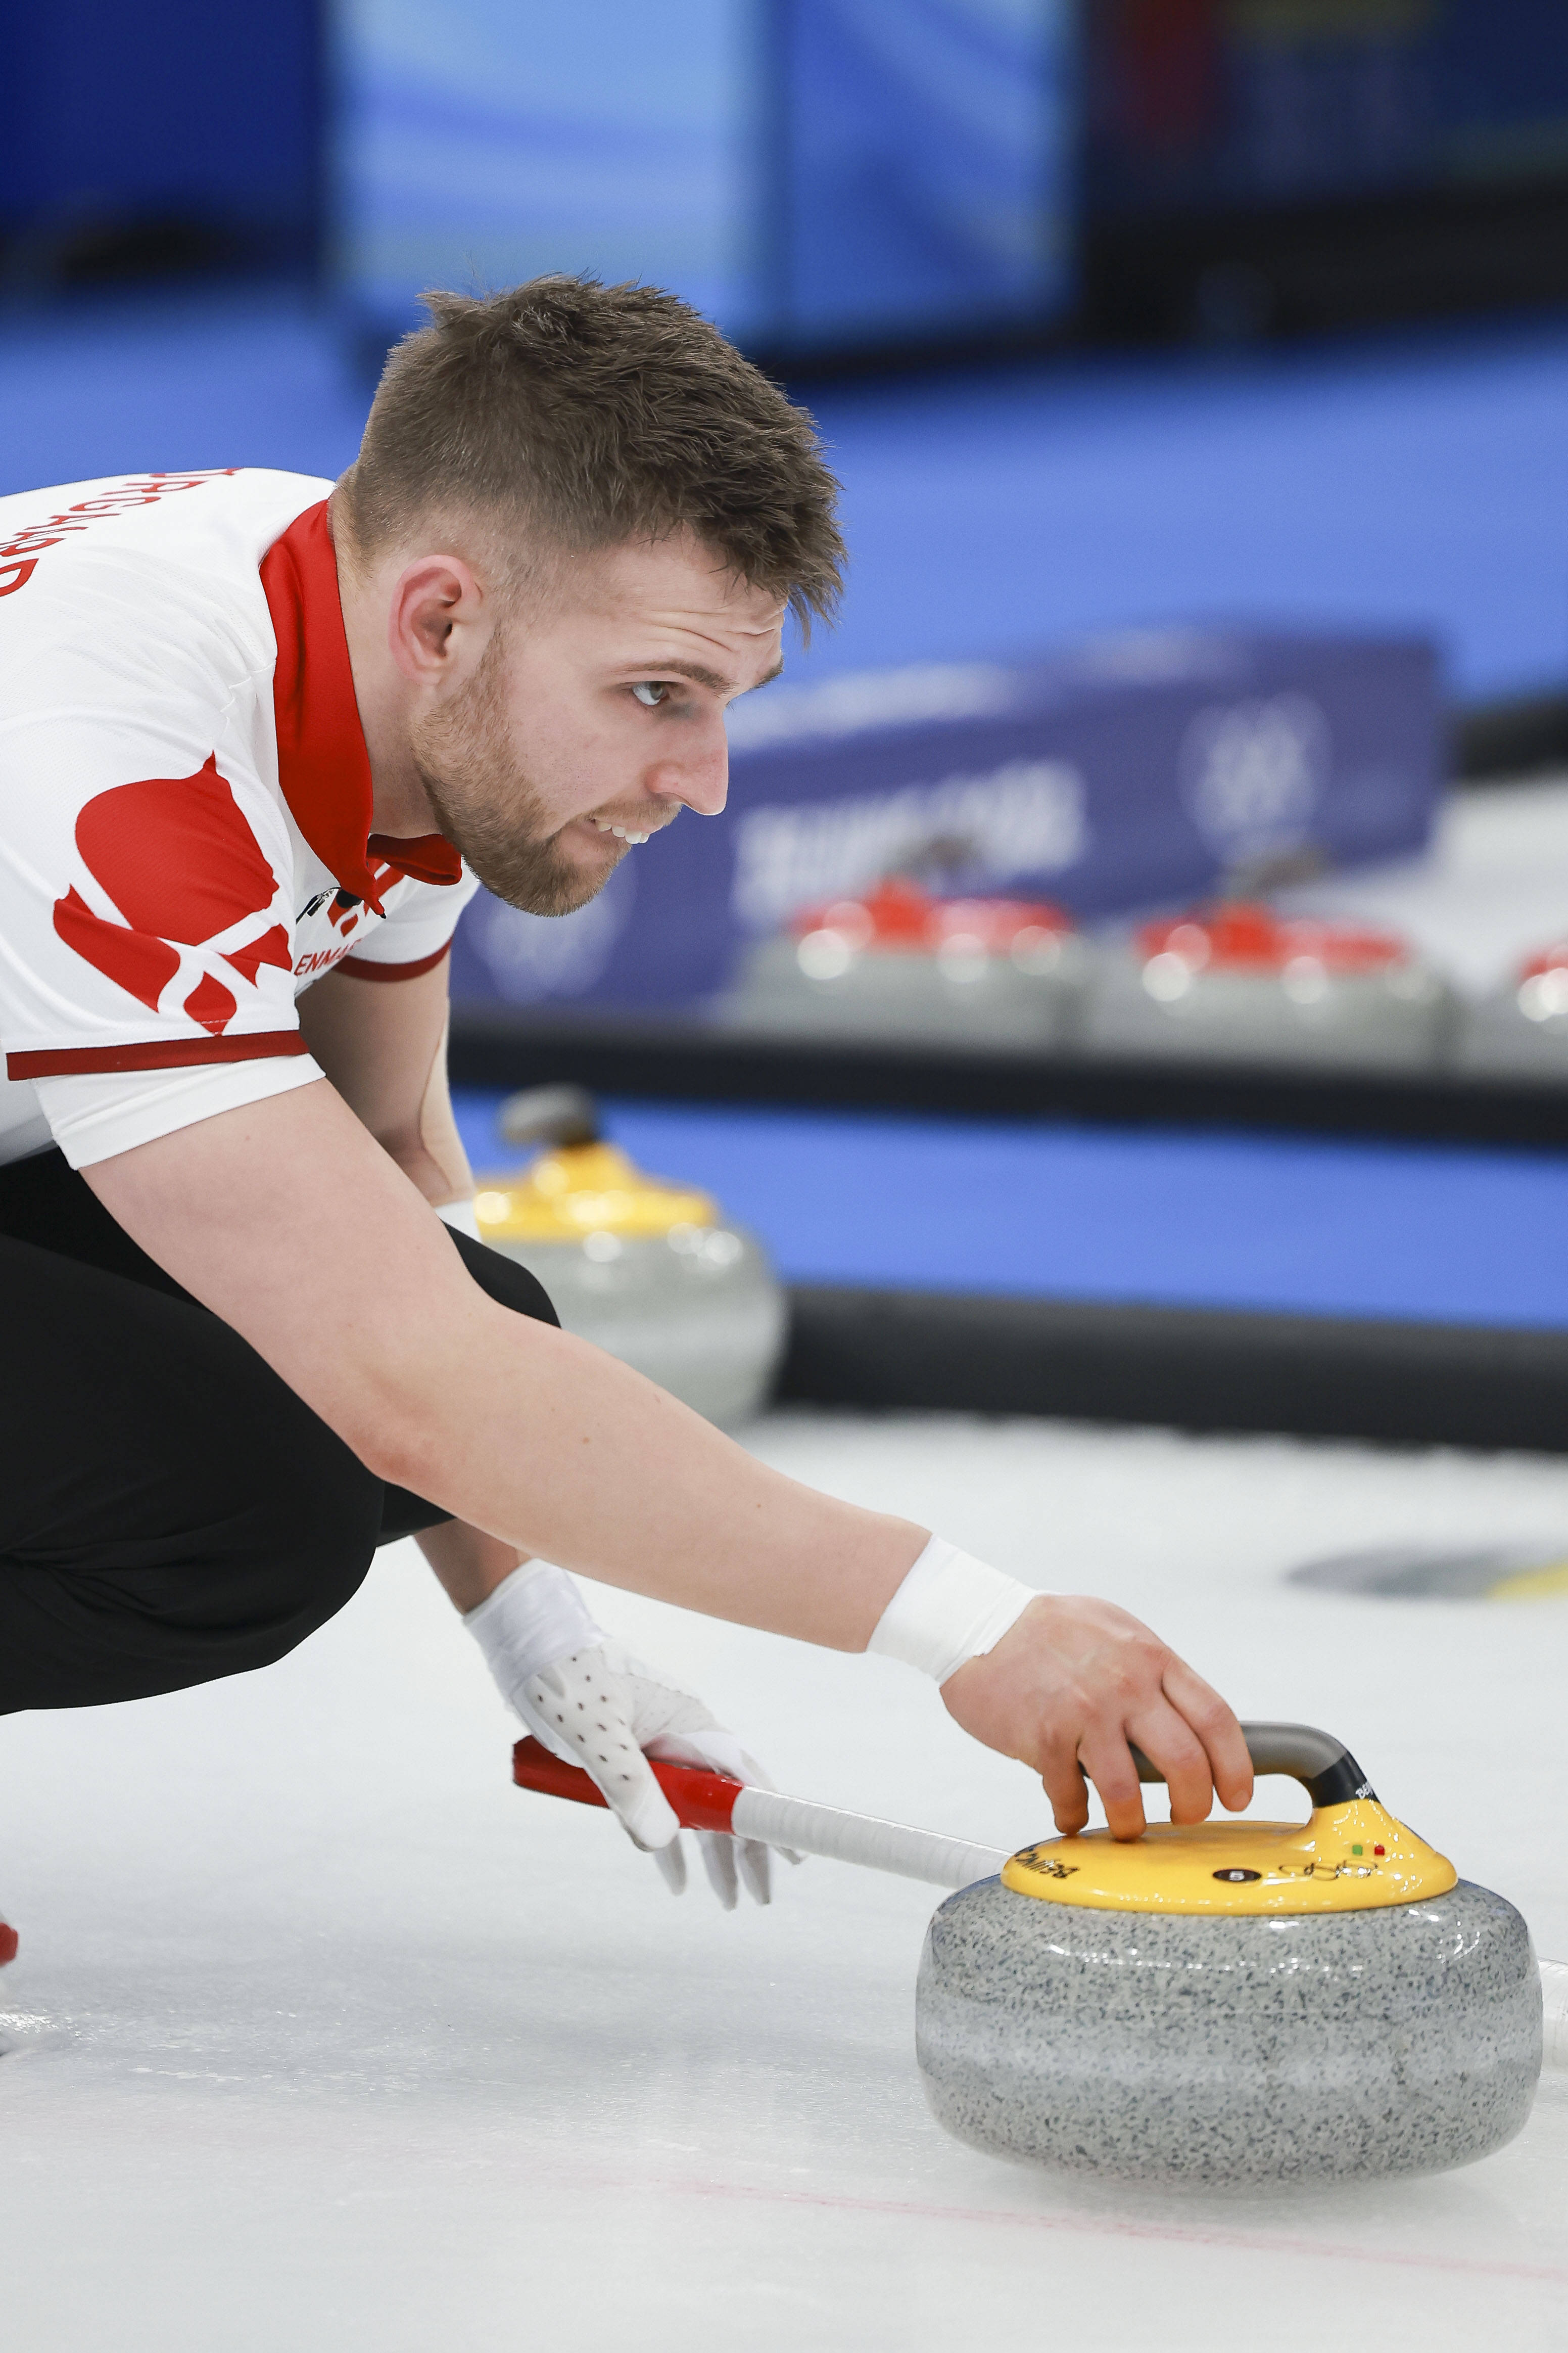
x=184, y=806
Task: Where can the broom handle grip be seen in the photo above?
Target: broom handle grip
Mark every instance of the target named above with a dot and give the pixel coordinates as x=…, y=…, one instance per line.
x=703, y=1800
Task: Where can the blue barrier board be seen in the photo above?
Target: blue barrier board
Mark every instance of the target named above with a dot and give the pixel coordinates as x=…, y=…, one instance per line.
x=1144, y=768
x=1445, y=1234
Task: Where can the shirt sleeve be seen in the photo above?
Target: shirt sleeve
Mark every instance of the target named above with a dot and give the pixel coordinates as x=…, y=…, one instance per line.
x=92, y=1116
x=146, y=879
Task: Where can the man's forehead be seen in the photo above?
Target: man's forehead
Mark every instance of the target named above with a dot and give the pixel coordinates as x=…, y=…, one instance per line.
x=678, y=583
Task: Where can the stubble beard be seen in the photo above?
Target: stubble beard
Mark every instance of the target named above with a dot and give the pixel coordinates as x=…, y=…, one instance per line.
x=486, y=806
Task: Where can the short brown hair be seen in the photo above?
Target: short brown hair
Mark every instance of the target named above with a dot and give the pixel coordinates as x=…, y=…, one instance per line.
x=592, y=415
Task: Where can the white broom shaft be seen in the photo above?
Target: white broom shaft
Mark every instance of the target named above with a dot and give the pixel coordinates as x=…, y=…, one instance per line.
x=705, y=1800
x=810, y=1829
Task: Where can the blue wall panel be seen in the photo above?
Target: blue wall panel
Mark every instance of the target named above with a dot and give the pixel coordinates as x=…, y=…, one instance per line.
x=803, y=171
x=928, y=164
x=111, y=112
x=479, y=142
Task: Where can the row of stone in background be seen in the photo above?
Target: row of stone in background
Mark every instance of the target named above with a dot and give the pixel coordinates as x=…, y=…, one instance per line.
x=1233, y=982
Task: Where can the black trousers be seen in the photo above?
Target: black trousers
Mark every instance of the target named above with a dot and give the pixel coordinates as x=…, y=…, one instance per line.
x=170, y=1511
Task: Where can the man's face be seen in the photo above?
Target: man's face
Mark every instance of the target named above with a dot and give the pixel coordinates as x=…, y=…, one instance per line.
x=595, y=715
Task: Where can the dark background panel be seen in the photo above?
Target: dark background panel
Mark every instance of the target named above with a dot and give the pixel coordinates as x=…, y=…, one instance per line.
x=146, y=141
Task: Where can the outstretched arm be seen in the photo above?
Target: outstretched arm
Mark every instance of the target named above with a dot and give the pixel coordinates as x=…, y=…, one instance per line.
x=289, y=1220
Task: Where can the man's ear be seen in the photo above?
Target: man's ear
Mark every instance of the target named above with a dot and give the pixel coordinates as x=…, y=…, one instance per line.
x=439, y=619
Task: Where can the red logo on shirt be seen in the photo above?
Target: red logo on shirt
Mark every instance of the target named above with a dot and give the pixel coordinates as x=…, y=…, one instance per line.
x=181, y=864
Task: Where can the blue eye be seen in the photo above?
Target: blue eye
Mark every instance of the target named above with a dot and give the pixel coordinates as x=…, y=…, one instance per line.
x=650, y=693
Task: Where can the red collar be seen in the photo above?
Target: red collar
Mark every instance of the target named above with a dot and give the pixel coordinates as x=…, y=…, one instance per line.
x=322, y=764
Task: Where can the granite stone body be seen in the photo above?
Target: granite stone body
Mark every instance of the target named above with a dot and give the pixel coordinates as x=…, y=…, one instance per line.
x=1150, y=2046
x=1394, y=1021
x=984, y=1002
x=1498, y=1035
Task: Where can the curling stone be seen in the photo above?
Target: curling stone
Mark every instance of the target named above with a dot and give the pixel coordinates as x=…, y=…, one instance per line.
x=1238, y=983
x=648, y=1270
x=1520, y=1029
x=1238, y=2002
x=1235, y=2002
x=900, y=964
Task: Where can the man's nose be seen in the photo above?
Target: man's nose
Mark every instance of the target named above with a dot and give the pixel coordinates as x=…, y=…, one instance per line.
x=700, y=781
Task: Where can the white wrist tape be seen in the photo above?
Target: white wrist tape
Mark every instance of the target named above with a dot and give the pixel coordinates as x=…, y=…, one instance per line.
x=533, y=1618
x=949, y=1608
x=462, y=1217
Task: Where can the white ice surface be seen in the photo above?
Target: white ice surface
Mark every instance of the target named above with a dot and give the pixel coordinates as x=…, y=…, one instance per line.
x=326, y=2039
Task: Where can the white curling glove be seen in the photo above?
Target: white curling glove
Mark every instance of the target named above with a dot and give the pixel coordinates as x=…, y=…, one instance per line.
x=590, y=1702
